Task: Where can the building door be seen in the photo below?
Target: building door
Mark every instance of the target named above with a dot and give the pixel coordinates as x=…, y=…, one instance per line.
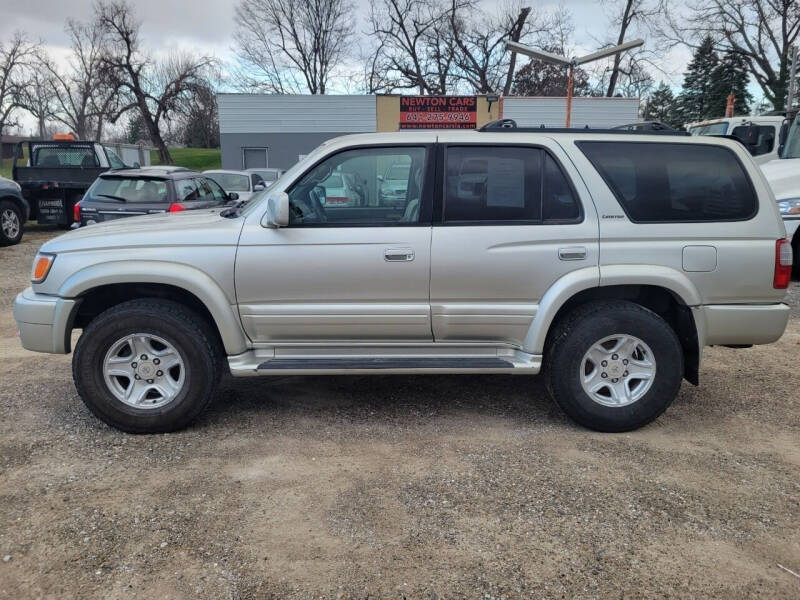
x=255, y=158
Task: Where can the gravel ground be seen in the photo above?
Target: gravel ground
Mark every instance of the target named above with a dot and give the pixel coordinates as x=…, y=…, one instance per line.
x=393, y=487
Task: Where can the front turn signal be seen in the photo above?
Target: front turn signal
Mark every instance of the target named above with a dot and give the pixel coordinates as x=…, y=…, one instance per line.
x=41, y=267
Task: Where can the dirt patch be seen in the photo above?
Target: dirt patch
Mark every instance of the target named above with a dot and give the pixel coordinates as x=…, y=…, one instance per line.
x=417, y=487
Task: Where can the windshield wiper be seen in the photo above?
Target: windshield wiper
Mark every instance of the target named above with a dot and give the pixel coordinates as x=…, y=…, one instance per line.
x=120, y=198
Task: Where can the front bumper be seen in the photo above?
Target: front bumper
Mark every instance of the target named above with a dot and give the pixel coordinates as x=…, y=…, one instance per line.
x=44, y=322
x=741, y=324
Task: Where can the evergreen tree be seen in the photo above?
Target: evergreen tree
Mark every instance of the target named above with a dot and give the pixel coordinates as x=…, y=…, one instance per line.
x=135, y=131
x=693, y=102
x=661, y=106
x=730, y=77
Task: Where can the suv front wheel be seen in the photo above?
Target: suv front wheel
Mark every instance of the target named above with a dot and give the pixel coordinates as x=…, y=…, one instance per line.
x=146, y=366
x=613, y=366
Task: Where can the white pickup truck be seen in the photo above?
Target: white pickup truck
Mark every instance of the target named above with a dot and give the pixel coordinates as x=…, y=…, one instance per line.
x=763, y=129
x=783, y=175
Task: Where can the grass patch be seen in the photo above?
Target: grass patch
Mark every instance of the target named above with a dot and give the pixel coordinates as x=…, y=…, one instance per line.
x=5, y=167
x=199, y=159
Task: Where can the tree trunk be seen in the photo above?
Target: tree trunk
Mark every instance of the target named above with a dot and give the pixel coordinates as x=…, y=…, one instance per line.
x=515, y=35
x=623, y=28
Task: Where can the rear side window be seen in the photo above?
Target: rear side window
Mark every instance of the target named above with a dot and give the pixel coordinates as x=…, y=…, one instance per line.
x=506, y=184
x=657, y=183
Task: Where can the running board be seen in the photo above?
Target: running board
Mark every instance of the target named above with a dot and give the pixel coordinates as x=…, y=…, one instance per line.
x=265, y=362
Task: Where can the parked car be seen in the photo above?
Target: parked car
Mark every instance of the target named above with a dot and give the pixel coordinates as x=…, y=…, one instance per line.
x=149, y=190
x=268, y=174
x=394, y=184
x=337, y=190
x=57, y=173
x=607, y=260
x=759, y=134
x=14, y=212
x=244, y=184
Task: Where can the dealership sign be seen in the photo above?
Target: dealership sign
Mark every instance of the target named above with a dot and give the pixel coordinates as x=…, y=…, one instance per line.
x=438, y=112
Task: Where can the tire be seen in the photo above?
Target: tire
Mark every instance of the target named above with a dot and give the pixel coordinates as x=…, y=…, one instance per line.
x=636, y=402
x=167, y=328
x=11, y=223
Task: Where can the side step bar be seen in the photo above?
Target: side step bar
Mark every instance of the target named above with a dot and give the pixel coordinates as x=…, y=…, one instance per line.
x=339, y=361
x=349, y=364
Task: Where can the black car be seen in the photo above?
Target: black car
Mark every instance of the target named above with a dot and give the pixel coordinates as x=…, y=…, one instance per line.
x=148, y=190
x=14, y=211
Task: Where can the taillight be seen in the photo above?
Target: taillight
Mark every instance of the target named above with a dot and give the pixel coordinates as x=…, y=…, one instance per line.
x=783, y=264
x=176, y=207
x=76, y=212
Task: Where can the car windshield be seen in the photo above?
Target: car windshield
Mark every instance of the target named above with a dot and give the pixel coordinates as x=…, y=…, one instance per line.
x=231, y=182
x=399, y=172
x=791, y=148
x=333, y=182
x=128, y=189
x=710, y=129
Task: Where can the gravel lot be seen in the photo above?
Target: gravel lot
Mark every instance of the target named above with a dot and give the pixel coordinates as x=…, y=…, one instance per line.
x=391, y=487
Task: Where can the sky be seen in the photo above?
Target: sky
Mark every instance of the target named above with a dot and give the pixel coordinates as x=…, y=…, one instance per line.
x=207, y=26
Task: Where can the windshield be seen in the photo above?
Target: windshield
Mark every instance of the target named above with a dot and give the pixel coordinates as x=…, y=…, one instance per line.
x=231, y=182
x=127, y=189
x=710, y=129
x=791, y=148
x=399, y=172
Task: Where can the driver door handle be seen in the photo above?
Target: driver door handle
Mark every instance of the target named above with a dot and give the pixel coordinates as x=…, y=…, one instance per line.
x=398, y=254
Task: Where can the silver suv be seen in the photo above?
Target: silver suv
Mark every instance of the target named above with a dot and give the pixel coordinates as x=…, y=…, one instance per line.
x=607, y=260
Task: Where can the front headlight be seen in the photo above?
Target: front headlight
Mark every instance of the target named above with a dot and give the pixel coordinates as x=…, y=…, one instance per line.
x=41, y=267
x=790, y=206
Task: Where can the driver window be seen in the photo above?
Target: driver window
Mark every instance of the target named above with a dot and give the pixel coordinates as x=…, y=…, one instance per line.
x=362, y=186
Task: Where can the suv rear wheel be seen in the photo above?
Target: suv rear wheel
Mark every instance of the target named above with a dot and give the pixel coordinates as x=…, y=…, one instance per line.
x=146, y=366
x=613, y=366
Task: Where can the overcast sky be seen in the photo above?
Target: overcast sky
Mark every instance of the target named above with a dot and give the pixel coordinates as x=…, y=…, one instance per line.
x=207, y=26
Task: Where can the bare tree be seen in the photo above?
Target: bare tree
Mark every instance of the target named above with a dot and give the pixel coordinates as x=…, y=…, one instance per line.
x=628, y=16
x=16, y=56
x=761, y=31
x=84, y=99
x=154, y=88
x=413, y=47
x=482, y=60
x=292, y=46
x=38, y=99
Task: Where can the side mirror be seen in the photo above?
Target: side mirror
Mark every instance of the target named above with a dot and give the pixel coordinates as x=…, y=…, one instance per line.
x=136, y=165
x=233, y=196
x=380, y=177
x=258, y=187
x=277, y=214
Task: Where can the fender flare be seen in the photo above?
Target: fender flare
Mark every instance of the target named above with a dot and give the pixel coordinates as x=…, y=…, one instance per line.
x=186, y=277
x=607, y=275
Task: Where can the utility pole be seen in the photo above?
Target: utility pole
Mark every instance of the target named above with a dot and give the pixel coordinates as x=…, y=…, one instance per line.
x=556, y=59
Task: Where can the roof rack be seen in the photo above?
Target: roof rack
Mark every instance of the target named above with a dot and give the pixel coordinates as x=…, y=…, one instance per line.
x=510, y=126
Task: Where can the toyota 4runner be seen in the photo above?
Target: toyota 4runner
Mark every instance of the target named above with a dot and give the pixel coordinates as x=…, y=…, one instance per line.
x=607, y=260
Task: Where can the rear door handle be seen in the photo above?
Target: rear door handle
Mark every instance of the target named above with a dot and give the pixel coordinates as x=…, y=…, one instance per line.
x=398, y=254
x=572, y=253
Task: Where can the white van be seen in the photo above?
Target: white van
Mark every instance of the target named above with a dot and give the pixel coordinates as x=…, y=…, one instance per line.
x=764, y=148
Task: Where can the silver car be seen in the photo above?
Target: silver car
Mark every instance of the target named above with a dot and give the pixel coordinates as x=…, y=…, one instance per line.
x=605, y=260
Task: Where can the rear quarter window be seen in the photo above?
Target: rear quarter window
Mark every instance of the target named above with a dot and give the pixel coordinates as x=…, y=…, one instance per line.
x=665, y=183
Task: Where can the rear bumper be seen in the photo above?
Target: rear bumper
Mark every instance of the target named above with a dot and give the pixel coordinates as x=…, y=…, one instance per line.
x=741, y=324
x=44, y=322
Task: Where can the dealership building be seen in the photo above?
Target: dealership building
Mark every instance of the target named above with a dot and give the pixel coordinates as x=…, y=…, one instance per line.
x=265, y=130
